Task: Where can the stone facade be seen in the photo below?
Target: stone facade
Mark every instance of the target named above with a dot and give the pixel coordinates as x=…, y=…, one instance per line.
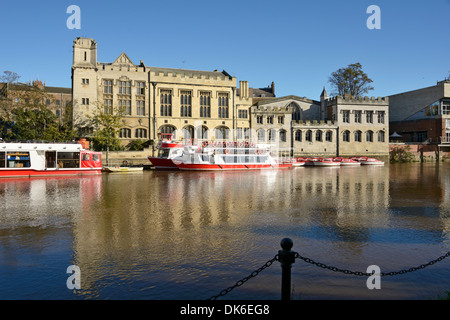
x=340, y=126
x=208, y=105
x=188, y=103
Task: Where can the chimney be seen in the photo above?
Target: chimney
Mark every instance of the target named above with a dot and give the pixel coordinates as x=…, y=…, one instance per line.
x=273, y=88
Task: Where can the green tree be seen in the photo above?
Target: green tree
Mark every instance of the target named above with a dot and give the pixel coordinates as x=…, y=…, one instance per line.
x=351, y=80
x=106, y=125
x=24, y=109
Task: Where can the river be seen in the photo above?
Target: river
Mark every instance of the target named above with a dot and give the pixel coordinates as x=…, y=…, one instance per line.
x=189, y=235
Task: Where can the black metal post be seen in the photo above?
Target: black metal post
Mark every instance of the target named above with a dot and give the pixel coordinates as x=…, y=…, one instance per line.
x=286, y=258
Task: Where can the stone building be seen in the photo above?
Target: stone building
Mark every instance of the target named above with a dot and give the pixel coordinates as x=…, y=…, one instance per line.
x=56, y=99
x=338, y=126
x=188, y=103
x=208, y=105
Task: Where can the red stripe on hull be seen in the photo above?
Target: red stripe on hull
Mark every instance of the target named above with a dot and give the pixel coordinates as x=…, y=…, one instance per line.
x=43, y=173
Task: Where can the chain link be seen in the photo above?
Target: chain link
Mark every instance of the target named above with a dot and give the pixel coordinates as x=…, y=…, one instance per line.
x=359, y=273
x=243, y=280
x=324, y=266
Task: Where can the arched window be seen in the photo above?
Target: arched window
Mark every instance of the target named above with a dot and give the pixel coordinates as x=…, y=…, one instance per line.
x=296, y=114
x=140, y=133
x=346, y=136
x=298, y=135
x=222, y=133
x=168, y=129
x=125, y=133
x=381, y=136
x=329, y=136
x=358, y=135
x=272, y=134
x=202, y=132
x=261, y=135
x=188, y=133
x=369, y=136
x=318, y=135
x=308, y=136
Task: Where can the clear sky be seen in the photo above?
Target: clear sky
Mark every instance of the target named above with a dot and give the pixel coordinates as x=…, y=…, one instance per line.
x=297, y=44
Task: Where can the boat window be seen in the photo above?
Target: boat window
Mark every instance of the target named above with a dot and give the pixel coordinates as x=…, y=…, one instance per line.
x=18, y=159
x=96, y=157
x=2, y=160
x=261, y=159
x=164, y=153
x=86, y=157
x=68, y=159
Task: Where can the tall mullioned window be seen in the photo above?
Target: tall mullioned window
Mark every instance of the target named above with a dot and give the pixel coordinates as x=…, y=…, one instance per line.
x=108, y=106
x=346, y=116
x=205, y=104
x=140, y=107
x=140, y=88
x=380, y=116
x=166, y=103
x=125, y=106
x=124, y=87
x=223, y=105
x=186, y=104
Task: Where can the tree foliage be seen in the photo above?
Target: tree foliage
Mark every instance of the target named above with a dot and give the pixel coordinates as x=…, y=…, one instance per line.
x=351, y=80
x=25, y=111
x=107, y=124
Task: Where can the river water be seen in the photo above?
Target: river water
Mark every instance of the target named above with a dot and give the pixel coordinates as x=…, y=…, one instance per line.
x=189, y=235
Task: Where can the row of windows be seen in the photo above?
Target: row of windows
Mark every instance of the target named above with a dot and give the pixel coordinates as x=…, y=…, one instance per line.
x=139, y=133
x=358, y=136
x=270, y=119
x=346, y=136
x=358, y=116
x=271, y=135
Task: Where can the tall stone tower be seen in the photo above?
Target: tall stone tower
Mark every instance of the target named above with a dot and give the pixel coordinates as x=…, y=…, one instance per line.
x=84, y=80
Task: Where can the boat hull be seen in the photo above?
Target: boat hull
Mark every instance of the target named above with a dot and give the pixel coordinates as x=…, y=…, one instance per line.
x=123, y=169
x=163, y=163
x=221, y=167
x=47, y=173
x=372, y=163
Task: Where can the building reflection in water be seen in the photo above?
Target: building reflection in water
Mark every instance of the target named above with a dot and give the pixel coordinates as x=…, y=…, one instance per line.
x=182, y=235
x=161, y=219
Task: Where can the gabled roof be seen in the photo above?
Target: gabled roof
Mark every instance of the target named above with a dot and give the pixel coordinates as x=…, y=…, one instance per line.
x=123, y=60
x=290, y=97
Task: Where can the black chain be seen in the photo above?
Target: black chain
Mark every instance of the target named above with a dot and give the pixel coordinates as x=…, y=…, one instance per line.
x=359, y=273
x=322, y=265
x=242, y=281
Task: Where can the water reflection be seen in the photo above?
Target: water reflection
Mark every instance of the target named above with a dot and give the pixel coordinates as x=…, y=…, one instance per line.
x=188, y=235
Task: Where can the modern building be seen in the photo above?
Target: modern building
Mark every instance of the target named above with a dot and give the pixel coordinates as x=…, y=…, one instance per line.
x=422, y=115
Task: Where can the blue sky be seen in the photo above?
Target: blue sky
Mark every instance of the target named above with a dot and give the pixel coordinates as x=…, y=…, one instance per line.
x=296, y=44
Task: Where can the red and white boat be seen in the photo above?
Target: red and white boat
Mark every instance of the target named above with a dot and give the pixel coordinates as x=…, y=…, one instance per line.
x=298, y=162
x=371, y=161
x=326, y=162
x=229, y=156
x=47, y=159
x=347, y=162
x=168, y=149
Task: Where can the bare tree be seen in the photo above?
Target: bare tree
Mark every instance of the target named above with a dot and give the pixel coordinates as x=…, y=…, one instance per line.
x=351, y=80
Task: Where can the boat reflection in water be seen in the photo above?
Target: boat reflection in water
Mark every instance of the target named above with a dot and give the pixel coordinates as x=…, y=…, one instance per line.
x=189, y=235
